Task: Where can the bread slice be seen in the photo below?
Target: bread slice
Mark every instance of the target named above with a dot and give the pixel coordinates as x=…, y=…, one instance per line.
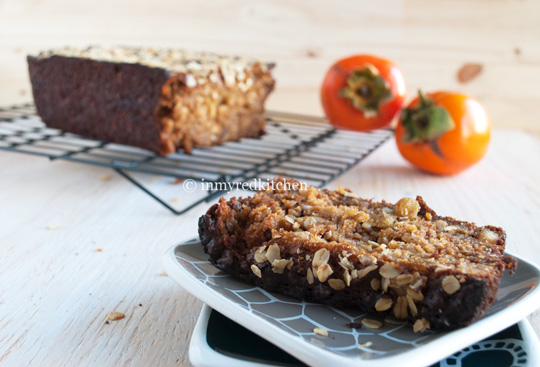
x=401, y=261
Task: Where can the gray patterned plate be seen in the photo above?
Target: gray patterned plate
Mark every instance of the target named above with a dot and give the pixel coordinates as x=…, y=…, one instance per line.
x=288, y=323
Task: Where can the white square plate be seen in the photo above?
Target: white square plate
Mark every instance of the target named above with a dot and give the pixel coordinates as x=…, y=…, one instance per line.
x=220, y=342
x=288, y=323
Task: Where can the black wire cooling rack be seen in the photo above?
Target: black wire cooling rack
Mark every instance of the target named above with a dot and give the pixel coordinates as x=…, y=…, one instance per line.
x=303, y=147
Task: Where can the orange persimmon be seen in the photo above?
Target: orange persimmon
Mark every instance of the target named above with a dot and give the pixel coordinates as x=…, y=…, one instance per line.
x=362, y=92
x=443, y=132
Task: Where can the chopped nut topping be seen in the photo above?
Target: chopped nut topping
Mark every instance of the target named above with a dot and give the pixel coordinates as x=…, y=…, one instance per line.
x=278, y=266
x=336, y=284
x=400, y=290
x=450, y=284
x=489, y=235
x=417, y=283
x=389, y=210
x=407, y=207
x=383, y=220
x=440, y=224
x=366, y=271
x=404, y=279
x=416, y=295
x=346, y=264
x=375, y=284
x=385, y=283
x=273, y=253
x=367, y=260
x=255, y=269
x=308, y=222
x=383, y=304
x=260, y=254
x=442, y=267
x=412, y=306
x=400, y=308
x=373, y=243
x=347, y=277
x=321, y=257
x=310, y=278
x=197, y=64
x=323, y=272
x=421, y=325
x=320, y=331
x=371, y=324
x=388, y=271
x=290, y=219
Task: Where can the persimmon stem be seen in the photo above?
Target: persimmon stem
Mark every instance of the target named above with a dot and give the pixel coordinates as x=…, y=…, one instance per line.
x=366, y=90
x=426, y=123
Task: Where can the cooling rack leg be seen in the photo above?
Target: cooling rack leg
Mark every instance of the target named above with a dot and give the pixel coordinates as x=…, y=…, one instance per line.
x=150, y=193
x=210, y=196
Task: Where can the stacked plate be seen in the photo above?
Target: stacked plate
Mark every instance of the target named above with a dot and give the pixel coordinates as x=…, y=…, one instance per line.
x=243, y=325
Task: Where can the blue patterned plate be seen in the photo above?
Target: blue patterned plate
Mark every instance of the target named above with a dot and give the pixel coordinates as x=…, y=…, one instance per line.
x=289, y=323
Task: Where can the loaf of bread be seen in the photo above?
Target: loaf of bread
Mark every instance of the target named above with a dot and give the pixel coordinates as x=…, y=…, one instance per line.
x=160, y=100
x=402, y=261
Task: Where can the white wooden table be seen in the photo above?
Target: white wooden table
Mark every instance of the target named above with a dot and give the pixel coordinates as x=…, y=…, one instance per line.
x=56, y=286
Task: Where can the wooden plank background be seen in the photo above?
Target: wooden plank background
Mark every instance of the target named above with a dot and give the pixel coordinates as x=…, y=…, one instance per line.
x=431, y=40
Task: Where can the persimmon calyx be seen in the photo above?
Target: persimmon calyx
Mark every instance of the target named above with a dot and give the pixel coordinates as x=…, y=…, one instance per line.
x=366, y=90
x=425, y=123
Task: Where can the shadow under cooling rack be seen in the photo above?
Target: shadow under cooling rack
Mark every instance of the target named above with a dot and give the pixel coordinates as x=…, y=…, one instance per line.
x=303, y=147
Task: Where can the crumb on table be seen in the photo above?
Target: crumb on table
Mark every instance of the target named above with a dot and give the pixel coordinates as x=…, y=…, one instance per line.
x=115, y=315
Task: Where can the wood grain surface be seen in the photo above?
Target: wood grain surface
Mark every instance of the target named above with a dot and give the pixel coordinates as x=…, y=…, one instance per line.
x=77, y=242
x=57, y=287
x=431, y=40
